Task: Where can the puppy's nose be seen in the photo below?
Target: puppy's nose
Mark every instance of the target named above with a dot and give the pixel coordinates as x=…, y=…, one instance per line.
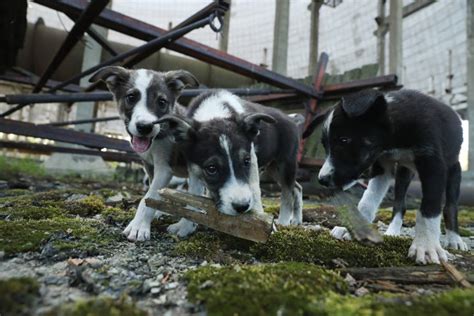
x=241, y=207
x=325, y=180
x=144, y=128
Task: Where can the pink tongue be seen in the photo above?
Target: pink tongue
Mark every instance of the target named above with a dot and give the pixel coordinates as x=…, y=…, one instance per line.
x=140, y=144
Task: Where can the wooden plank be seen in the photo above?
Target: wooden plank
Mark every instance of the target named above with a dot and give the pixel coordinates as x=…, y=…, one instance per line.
x=251, y=225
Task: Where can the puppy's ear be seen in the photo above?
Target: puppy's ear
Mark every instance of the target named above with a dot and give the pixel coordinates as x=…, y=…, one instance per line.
x=251, y=123
x=364, y=102
x=318, y=119
x=178, y=127
x=111, y=75
x=177, y=80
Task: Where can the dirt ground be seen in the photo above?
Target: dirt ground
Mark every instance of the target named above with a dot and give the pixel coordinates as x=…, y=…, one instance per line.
x=62, y=253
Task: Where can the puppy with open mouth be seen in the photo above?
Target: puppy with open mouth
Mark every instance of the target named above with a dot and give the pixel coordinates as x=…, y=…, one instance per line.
x=226, y=140
x=144, y=96
x=405, y=131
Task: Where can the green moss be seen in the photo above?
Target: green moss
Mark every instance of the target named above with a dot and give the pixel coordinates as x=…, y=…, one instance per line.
x=15, y=192
x=102, y=306
x=455, y=302
x=51, y=204
x=64, y=233
x=465, y=218
x=18, y=295
x=88, y=206
x=11, y=167
x=306, y=289
x=200, y=245
x=298, y=244
x=261, y=289
x=118, y=215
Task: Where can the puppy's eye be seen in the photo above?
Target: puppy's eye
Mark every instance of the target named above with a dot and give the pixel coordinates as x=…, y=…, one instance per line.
x=247, y=161
x=131, y=98
x=211, y=169
x=344, y=140
x=162, y=103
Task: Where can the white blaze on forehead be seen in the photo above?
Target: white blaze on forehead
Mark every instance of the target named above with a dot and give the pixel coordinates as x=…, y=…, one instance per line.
x=328, y=121
x=233, y=190
x=217, y=106
x=142, y=80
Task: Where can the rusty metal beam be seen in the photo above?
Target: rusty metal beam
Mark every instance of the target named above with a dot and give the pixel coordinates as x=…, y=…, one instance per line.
x=317, y=84
x=138, y=29
x=88, y=15
x=33, y=98
x=215, y=6
x=154, y=44
x=12, y=77
x=86, y=121
x=34, y=148
x=82, y=24
x=63, y=135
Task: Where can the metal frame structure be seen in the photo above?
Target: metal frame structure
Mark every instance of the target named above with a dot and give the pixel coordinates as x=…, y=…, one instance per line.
x=86, y=13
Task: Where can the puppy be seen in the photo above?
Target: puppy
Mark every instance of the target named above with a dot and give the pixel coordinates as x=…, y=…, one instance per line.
x=143, y=96
x=226, y=139
x=406, y=129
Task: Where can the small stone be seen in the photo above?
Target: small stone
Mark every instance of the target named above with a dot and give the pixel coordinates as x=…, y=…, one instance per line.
x=3, y=185
x=117, y=198
x=207, y=284
x=113, y=271
x=361, y=291
x=76, y=197
x=204, y=263
x=350, y=280
x=161, y=300
x=155, y=290
x=171, y=285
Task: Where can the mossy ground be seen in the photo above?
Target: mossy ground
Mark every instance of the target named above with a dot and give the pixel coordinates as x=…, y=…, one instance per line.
x=289, y=275
x=287, y=288
x=101, y=306
x=298, y=245
x=465, y=219
x=11, y=167
x=18, y=296
x=306, y=289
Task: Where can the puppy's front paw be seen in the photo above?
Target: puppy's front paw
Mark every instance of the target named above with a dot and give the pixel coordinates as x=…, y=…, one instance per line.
x=426, y=252
x=183, y=228
x=454, y=241
x=137, y=231
x=341, y=233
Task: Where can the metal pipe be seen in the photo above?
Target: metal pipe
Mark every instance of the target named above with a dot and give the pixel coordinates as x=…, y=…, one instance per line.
x=86, y=121
x=75, y=34
x=63, y=135
x=34, y=98
x=138, y=29
x=82, y=24
x=153, y=44
x=48, y=149
x=219, y=6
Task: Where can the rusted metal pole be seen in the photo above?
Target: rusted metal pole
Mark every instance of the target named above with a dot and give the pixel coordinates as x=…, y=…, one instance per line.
x=138, y=29
x=82, y=24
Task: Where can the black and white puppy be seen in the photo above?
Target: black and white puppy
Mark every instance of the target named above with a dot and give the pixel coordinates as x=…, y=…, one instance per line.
x=226, y=139
x=407, y=130
x=143, y=96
